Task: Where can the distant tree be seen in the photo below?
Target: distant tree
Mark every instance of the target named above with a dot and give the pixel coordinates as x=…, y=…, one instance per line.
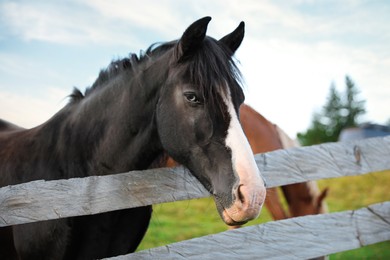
x=316, y=134
x=353, y=108
x=339, y=111
x=332, y=116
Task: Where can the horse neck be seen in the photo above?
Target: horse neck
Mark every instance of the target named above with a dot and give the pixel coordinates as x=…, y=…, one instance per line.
x=111, y=130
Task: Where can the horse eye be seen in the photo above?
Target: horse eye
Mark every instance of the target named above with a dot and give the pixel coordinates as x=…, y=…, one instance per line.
x=192, y=98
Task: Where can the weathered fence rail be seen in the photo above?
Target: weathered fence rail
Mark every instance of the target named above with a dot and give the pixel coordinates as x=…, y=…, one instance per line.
x=43, y=200
x=297, y=238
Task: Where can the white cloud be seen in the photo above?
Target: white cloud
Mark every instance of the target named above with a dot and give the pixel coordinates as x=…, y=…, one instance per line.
x=61, y=23
x=139, y=15
x=36, y=22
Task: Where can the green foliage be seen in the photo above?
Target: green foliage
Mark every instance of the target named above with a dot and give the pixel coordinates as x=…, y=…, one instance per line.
x=339, y=112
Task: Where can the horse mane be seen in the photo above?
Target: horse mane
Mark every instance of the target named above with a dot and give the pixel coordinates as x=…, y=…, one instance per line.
x=212, y=68
x=117, y=66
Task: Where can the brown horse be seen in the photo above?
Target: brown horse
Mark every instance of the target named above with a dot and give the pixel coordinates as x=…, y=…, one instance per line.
x=263, y=136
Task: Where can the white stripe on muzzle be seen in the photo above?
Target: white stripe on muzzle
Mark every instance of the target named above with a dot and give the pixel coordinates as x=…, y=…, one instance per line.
x=250, y=194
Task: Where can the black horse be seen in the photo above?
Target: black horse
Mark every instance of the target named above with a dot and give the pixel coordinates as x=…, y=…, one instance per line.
x=182, y=98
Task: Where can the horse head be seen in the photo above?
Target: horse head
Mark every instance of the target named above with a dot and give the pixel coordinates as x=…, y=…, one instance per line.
x=198, y=124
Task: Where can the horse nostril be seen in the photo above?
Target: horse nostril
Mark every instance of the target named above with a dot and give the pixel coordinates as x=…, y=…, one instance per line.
x=241, y=196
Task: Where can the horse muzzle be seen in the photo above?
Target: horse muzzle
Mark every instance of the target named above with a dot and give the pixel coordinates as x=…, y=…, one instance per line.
x=249, y=200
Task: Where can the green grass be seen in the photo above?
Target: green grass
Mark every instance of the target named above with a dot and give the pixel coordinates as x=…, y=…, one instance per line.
x=355, y=192
x=173, y=222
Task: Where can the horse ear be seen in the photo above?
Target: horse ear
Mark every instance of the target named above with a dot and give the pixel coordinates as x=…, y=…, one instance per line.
x=192, y=37
x=234, y=39
x=321, y=198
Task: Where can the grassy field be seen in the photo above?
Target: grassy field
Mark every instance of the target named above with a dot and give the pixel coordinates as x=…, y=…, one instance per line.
x=173, y=222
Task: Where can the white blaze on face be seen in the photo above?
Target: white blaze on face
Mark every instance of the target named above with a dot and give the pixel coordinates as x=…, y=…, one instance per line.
x=251, y=192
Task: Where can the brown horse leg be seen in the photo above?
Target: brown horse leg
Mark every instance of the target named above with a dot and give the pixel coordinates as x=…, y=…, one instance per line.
x=274, y=205
x=299, y=199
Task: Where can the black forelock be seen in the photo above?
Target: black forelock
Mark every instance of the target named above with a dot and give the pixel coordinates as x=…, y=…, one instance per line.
x=213, y=69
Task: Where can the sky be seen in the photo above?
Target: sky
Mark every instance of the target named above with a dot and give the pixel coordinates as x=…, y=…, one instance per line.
x=291, y=54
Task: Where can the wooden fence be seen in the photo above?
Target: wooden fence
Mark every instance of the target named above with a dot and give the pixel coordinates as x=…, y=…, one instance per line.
x=297, y=238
